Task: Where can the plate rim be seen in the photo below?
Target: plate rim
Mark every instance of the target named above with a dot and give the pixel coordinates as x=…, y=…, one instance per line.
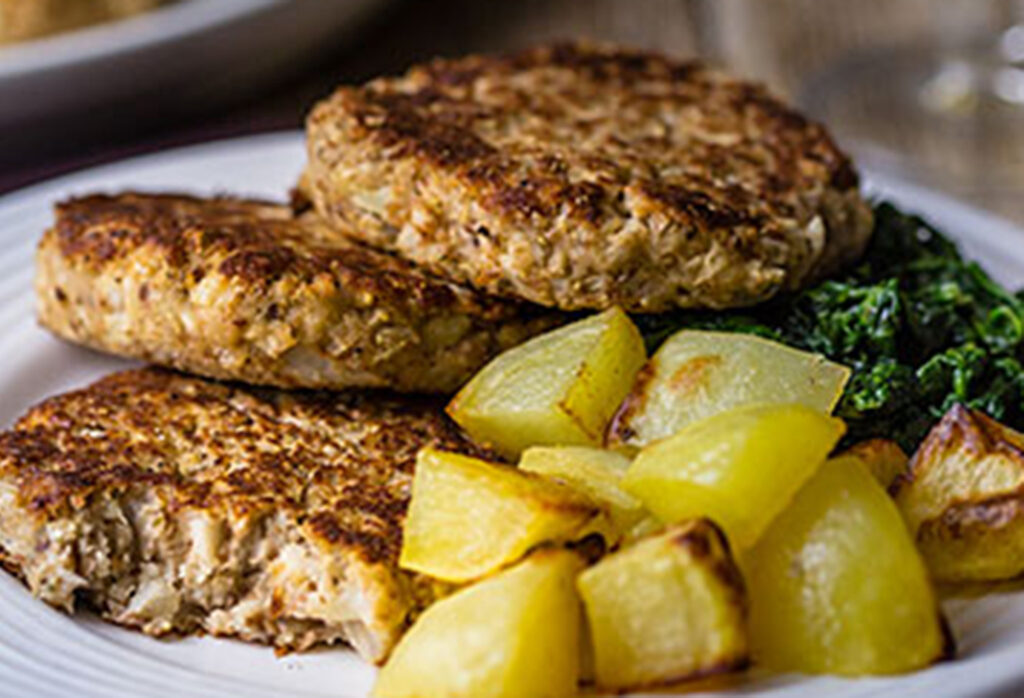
x=25, y=195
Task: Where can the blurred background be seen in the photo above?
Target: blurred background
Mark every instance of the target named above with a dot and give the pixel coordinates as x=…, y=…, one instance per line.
x=931, y=90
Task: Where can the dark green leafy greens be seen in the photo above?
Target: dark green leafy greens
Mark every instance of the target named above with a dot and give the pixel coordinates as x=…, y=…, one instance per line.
x=921, y=327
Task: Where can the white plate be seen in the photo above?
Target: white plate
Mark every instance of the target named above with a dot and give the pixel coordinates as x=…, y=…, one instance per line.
x=46, y=654
x=189, y=50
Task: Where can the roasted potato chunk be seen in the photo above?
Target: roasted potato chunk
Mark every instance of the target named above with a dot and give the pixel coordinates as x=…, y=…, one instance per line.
x=884, y=459
x=512, y=635
x=468, y=517
x=836, y=585
x=647, y=526
x=595, y=472
x=963, y=498
x=739, y=468
x=560, y=388
x=697, y=374
x=666, y=609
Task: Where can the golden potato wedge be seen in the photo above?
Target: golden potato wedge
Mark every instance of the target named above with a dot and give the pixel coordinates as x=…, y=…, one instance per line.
x=739, y=468
x=647, y=526
x=560, y=388
x=666, y=609
x=587, y=675
x=468, y=517
x=836, y=585
x=593, y=471
x=697, y=374
x=884, y=459
x=512, y=635
x=963, y=498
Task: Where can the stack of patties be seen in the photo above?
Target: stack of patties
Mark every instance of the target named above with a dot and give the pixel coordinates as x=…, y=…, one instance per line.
x=444, y=216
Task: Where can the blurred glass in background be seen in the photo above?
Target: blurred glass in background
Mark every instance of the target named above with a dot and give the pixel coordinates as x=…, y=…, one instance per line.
x=930, y=90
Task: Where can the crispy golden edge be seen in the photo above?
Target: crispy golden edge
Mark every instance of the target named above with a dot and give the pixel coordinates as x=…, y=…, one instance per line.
x=424, y=115
x=73, y=445
x=528, y=189
x=256, y=242
x=228, y=288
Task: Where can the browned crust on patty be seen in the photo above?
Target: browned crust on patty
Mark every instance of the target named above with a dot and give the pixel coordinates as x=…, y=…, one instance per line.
x=581, y=177
x=245, y=290
x=259, y=513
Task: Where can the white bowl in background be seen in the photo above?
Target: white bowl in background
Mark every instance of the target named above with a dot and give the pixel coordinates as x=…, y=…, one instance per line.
x=186, y=51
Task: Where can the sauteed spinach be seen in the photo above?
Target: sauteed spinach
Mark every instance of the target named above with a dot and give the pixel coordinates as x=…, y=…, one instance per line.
x=921, y=327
